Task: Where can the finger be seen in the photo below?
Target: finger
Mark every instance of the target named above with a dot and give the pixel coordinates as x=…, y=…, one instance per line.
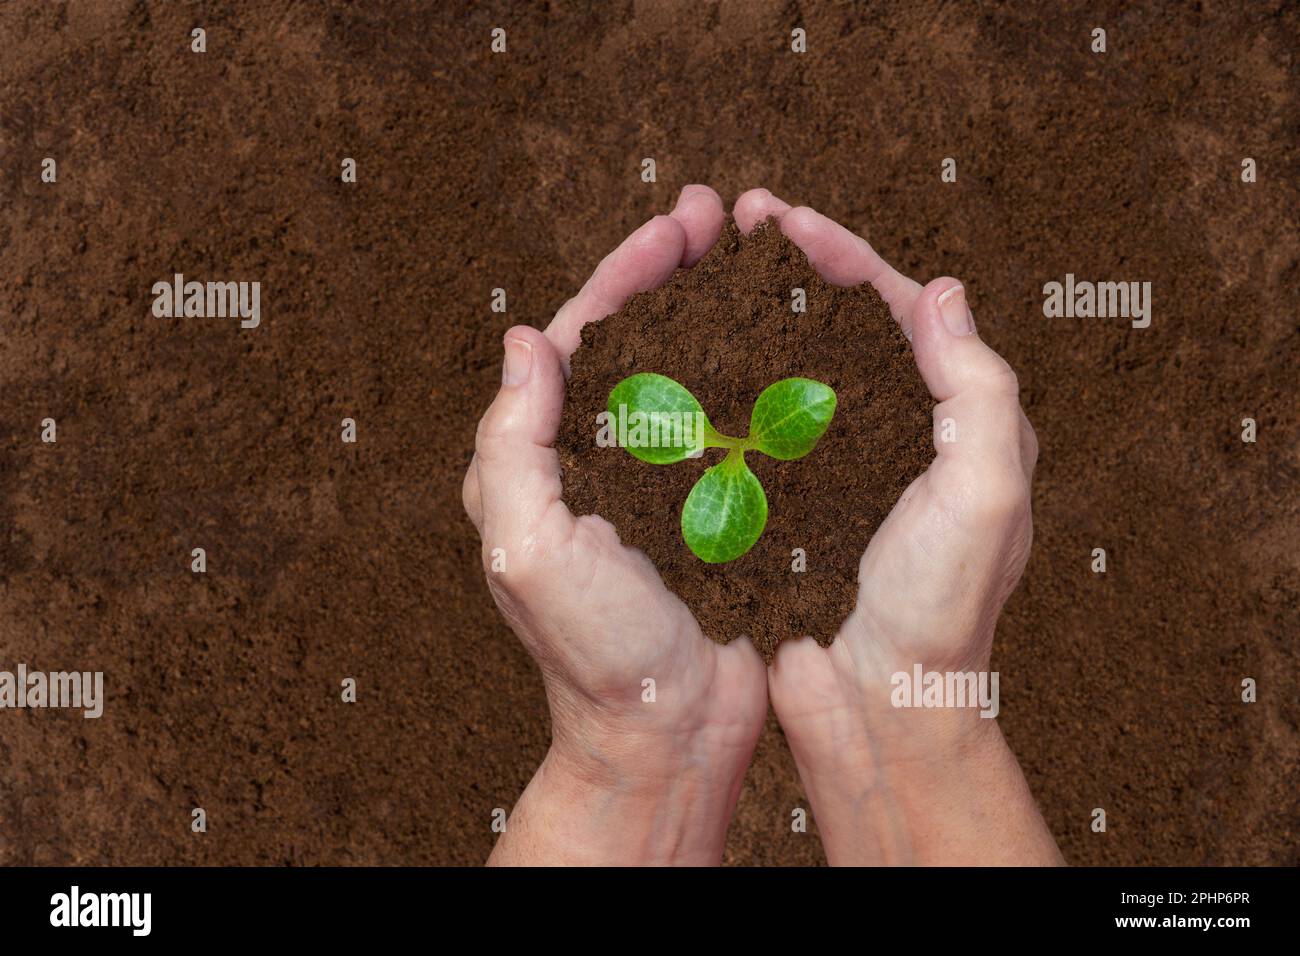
x=699, y=210
x=839, y=256
x=518, y=472
x=842, y=258
x=646, y=259
x=755, y=206
x=978, y=418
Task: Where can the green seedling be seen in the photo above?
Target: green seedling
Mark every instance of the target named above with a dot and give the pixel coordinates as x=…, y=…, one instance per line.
x=659, y=421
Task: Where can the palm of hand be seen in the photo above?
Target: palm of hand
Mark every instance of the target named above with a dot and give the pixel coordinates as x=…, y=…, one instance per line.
x=615, y=645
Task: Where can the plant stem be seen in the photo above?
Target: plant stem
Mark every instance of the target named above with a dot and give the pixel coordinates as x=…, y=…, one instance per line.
x=715, y=439
x=735, y=458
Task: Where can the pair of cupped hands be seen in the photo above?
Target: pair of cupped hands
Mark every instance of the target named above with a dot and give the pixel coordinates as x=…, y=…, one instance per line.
x=628, y=780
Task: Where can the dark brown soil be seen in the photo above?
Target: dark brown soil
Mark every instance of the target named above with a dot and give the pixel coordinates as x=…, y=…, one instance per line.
x=726, y=329
x=520, y=171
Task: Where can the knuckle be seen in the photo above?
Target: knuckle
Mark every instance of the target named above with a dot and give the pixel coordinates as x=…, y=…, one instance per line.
x=1002, y=378
x=470, y=496
x=1003, y=496
x=596, y=531
x=483, y=433
x=492, y=437
x=525, y=561
x=1030, y=439
x=511, y=569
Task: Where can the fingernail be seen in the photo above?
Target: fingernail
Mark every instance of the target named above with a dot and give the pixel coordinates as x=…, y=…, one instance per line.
x=956, y=313
x=518, y=363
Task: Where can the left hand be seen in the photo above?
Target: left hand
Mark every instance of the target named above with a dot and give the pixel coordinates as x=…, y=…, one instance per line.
x=596, y=615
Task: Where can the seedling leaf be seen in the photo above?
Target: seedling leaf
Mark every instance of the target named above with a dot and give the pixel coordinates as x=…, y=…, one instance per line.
x=789, y=417
x=658, y=421
x=656, y=418
x=725, y=512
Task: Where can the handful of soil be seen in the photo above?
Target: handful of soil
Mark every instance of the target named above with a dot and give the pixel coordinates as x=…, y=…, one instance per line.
x=726, y=329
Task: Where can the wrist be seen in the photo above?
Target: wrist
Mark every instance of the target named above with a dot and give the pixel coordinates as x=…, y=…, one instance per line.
x=615, y=791
x=885, y=711
x=604, y=809
x=895, y=783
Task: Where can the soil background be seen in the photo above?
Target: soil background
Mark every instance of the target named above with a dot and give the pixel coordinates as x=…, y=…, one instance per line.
x=520, y=171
